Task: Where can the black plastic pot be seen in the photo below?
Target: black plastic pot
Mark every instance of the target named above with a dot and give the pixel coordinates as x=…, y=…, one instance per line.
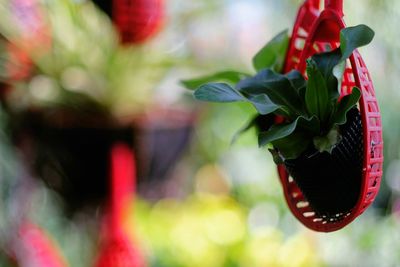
x=160, y=139
x=70, y=151
x=331, y=181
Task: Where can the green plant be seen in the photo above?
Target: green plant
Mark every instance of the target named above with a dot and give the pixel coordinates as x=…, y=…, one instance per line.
x=80, y=64
x=311, y=108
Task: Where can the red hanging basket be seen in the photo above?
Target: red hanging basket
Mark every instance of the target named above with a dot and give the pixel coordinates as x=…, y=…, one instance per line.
x=137, y=20
x=316, y=30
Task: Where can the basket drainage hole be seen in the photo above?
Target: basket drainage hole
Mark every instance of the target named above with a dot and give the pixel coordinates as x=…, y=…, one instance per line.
x=302, y=204
x=308, y=214
x=302, y=32
x=299, y=44
x=295, y=59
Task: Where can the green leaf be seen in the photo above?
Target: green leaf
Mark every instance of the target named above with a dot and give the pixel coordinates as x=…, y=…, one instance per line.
x=293, y=146
x=338, y=72
x=223, y=93
x=327, y=142
x=278, y=89
x=226, y=76
x=218, y=92
x=317, y=94
x=351, y=38
x=354, y=37
x=310, y=125
x=302, y=93
x=285, y=97
x=296, y=80
x=274, y=80
x=277, y=132
x=345, y=104
x=273, y=54
x=332, y=64
x=326, y=63
x=271, y=78
x=263, y=104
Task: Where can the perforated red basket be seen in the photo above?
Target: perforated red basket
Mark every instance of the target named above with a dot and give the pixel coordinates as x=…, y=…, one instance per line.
x=316, y=30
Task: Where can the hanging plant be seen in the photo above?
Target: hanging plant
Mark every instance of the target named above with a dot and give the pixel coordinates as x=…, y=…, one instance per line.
x=83, y=92
x=308, y=127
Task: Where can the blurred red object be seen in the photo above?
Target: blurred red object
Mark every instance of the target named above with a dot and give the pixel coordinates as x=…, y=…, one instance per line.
x=29, y=19
x=34, y=247
x=138, y=20
x=33, y=38
x=19, y=65
x=117, y=249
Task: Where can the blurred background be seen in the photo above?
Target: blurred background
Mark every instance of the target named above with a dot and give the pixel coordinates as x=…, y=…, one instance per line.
x=77, y=77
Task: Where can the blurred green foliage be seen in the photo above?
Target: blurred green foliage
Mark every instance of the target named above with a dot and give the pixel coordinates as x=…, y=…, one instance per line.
x=207, y=230
x=77, y=60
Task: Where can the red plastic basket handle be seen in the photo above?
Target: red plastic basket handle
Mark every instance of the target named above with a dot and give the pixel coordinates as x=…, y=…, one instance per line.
x=336, y=5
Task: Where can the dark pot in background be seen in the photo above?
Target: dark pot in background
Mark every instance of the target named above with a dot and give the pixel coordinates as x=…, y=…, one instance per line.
x=161, y=138
x=70, y=150
x=331, y=182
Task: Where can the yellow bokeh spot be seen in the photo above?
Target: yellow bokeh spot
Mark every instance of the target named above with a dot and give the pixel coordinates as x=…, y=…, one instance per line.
x=212, y=179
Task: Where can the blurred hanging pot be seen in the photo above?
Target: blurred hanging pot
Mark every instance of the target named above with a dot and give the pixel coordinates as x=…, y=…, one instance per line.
x=136, y=20
x=69, y=149
x=63, y=117
x=161, y=137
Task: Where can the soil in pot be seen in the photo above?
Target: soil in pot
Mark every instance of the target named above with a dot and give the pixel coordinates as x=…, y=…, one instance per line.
x=331, y=182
